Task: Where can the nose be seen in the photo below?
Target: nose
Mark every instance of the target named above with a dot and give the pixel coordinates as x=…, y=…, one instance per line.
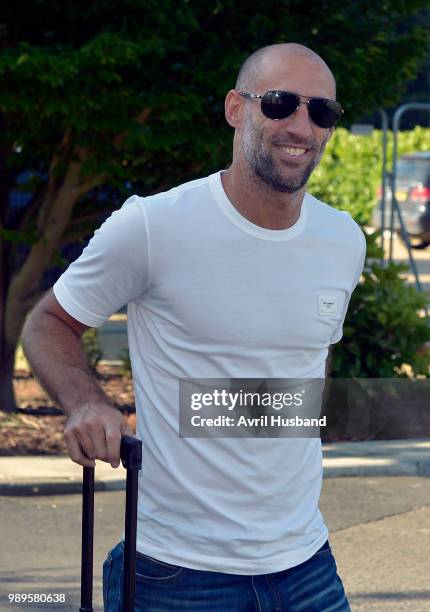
x=299, y=122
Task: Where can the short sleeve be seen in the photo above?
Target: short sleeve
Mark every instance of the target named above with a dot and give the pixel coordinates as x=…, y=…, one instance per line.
x=339, y=331
x=113, y=270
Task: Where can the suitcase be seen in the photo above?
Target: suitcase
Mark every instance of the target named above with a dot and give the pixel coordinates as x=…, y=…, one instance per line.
x=131, y=457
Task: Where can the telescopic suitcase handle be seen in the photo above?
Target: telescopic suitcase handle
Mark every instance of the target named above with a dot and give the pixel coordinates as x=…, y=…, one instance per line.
x=131, y=457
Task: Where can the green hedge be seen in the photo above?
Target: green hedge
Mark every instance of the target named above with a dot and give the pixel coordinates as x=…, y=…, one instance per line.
x=383, y=329
x=350, y=171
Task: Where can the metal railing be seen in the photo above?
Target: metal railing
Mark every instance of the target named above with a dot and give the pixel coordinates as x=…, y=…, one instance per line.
x=392, y=178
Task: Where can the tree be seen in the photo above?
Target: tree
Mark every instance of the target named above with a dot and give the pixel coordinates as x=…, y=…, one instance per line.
x=100, y=93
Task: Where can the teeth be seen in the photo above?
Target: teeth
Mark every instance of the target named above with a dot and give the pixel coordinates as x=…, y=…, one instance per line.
x=293, y=150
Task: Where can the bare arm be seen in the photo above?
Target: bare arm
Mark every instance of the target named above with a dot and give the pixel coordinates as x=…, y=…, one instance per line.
x=52, y=343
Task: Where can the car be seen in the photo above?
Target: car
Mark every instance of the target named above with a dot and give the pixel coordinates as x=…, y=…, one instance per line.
x=413, y=197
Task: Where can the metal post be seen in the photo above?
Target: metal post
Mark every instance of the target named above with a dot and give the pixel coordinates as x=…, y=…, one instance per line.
x=129, y=584
x=396, y=122
x=131, y=457
x=87, y=540
x=384, y=125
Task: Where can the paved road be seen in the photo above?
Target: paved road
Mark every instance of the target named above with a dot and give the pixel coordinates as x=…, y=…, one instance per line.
x=380, y=534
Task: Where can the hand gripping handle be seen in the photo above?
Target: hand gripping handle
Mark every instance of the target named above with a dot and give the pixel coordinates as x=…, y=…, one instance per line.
x=131, y=458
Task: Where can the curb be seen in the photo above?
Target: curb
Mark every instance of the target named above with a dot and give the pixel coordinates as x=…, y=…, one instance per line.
x=30, y=476
x=60, y=487
x=349, y=469
x=419, y=468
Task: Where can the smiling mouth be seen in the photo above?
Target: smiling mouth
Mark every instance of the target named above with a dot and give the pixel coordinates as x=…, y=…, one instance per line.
x=293, y=151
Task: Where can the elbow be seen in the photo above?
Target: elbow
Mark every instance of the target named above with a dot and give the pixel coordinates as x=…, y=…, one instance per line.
x=27, y=333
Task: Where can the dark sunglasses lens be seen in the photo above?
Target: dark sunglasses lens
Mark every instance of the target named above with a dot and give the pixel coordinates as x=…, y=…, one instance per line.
x=325, y=113
x=279, y=104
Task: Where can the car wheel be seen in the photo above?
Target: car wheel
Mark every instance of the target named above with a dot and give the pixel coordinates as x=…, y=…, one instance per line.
x=416, y=243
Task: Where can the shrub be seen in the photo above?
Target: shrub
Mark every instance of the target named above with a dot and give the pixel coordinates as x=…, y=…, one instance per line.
x=383, y=330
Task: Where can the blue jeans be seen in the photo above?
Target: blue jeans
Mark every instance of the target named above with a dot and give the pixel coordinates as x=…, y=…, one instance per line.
x=161, y=587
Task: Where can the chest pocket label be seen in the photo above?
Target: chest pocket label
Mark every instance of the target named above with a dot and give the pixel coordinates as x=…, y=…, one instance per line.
x=327, y=305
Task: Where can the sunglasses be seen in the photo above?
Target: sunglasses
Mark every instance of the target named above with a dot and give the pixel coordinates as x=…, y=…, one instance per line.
x=325, y=113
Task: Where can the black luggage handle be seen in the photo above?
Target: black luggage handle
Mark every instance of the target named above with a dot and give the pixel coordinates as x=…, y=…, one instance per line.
x=131, y=457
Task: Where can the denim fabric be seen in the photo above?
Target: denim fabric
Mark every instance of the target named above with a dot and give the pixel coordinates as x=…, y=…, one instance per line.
x=312, y=586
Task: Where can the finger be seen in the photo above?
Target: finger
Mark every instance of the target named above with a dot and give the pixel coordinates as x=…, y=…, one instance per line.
x=86, y=441
x=113, y=442
x=99, y=444
x=76, y=452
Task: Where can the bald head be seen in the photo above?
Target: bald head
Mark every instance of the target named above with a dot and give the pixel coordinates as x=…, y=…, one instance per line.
x=268, y=59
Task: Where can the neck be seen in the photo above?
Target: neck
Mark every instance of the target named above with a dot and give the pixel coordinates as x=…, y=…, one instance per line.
x=260, y=204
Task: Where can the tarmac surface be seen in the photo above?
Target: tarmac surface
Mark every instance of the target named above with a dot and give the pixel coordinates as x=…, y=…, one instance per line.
x=379, y=532
x=375, y=501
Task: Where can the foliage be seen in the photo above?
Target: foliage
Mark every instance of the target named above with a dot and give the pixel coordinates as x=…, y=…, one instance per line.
x=132, y=85
x=383, y=329
x=351, y=169
x=90, y=341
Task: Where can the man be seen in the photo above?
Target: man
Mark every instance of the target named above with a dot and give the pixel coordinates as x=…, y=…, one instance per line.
x=238, y=275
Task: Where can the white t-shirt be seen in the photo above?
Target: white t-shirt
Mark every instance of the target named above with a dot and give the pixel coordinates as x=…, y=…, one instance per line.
x=211, y=295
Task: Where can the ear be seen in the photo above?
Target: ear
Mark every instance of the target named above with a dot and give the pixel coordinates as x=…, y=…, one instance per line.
x=233, y=108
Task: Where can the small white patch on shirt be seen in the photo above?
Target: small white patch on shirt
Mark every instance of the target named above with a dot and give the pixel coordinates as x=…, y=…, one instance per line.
x=327, y=305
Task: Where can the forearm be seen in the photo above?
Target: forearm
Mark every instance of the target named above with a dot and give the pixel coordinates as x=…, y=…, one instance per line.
x=58, y=360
